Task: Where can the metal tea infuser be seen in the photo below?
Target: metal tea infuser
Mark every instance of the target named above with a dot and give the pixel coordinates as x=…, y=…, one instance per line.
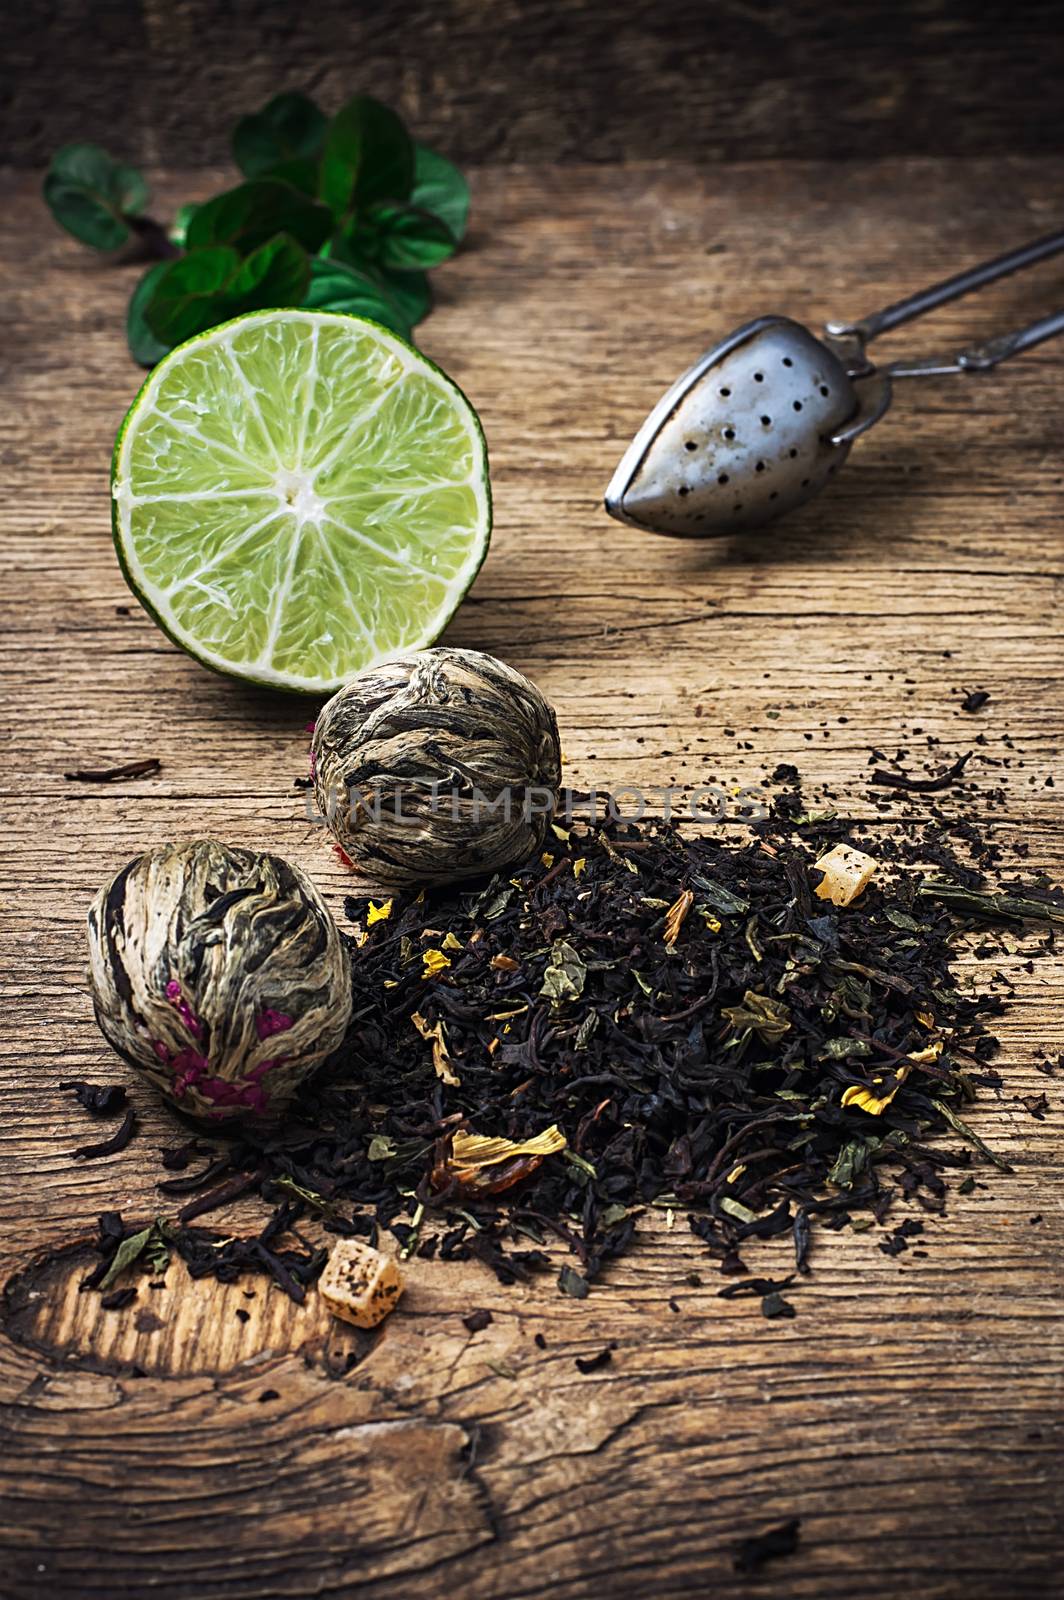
x=762, y=422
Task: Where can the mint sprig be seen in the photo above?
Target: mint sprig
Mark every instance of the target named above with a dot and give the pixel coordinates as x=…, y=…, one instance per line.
x=346, y=214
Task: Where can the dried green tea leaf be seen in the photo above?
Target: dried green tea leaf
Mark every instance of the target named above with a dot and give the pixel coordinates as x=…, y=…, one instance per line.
x=721, y=899
x=127, y=1252
x=586, y=1031
x=769, y=1019
x=977, y=903
x=381, y=1148
x=966, y=1133
x=839, y=1048
x=901, y=919
x=849, y=1164
x=565, y=974
x=571, y=1283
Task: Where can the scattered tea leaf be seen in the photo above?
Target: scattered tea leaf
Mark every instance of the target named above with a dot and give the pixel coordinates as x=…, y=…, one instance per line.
x=571, y=1283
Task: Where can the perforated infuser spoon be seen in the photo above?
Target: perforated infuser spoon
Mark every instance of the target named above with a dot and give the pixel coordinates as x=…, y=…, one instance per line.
x=762, y=422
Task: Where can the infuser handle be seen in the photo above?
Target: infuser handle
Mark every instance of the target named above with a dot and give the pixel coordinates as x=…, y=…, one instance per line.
x=982, y=357
x=915, y=305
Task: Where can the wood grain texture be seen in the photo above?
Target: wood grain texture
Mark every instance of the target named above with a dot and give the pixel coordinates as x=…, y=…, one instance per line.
x=549, y=80
x=910, y=1414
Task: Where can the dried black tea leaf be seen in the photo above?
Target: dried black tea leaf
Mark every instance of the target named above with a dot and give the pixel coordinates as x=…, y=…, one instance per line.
x=118, y=1299
x=111, y=1146
x=595, y=1363
x=99, y=1099
x=768, y=1072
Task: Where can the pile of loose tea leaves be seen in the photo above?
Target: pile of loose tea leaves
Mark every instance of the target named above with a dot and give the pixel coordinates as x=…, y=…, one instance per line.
x=642, y=1017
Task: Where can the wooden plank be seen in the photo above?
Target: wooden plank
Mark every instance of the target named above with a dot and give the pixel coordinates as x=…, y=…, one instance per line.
x=543, y=81
x=910, y=1413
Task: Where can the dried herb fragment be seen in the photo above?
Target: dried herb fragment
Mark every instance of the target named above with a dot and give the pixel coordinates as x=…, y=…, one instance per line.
x=944, y=780
x=98, y=1099
x=118, y=1299
x=595, y=1363
x=774, y=1306
x=111, y=1146
x=128, y=769
x=759, y=1013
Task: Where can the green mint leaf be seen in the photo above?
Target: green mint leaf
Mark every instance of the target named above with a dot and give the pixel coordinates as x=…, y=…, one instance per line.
x=91, y=195
x=211, y=285
x=188, y=294
x=276, y=274
x=287, y=133
x=144, y=347
x=368, y=156
x=335, y=286
x=179, y=226
x=409, y=290
x=405, y=237
x=439, y=187
x=246, y=217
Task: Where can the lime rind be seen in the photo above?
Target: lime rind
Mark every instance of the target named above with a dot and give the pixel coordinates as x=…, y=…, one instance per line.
x=297, y=495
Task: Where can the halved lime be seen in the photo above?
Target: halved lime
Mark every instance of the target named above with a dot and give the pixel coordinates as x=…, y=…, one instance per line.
x=299, y=494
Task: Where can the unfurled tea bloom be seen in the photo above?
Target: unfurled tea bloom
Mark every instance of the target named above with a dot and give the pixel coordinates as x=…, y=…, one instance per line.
x=436, y=766
x=219, y=974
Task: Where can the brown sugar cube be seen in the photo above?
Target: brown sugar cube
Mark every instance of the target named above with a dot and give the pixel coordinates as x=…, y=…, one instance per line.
x=360, y=1284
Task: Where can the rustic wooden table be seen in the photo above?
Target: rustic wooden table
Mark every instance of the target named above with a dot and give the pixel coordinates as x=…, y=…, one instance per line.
x=910, y=1415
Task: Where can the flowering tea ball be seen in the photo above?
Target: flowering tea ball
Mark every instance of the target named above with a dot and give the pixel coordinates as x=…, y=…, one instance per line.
x=219, y=974
x=438, y=765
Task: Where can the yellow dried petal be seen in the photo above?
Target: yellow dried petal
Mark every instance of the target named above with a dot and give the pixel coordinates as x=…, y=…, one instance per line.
x=736, y=1173
x=485, y=1150
x=434, y=962
x=441, y=1061
x=452, y=943
x=547, y=859
x=379, y=913
x=864, y=1099
x=578, y=865
x=674, y=917
x=930, y=1052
